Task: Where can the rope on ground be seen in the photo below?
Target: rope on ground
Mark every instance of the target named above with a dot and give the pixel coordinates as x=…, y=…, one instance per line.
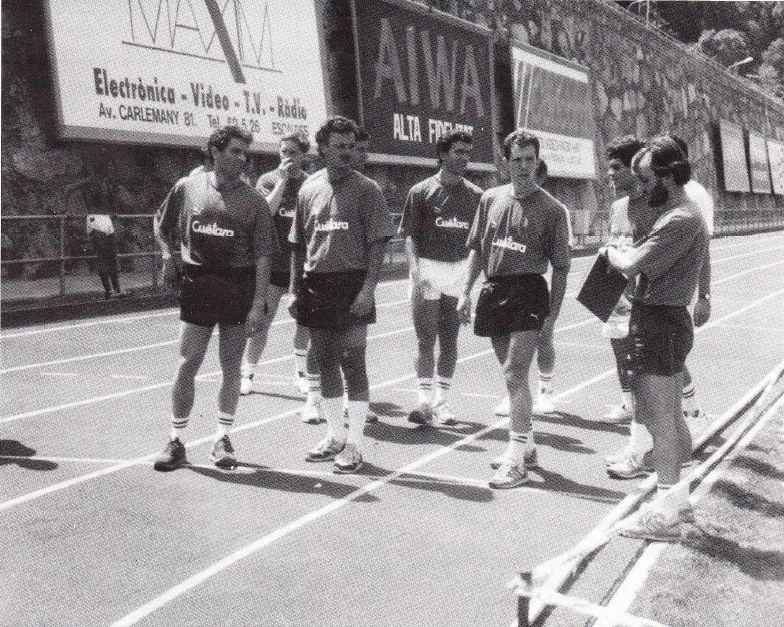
x=543, y=583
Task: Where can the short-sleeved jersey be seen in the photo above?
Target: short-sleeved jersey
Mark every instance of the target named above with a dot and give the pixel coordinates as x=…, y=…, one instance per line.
x=700, y=197
x=438, y=217
x=218, y=227
x=337, y=222
x=284, y=216
x=520, y=236
x=669, y=258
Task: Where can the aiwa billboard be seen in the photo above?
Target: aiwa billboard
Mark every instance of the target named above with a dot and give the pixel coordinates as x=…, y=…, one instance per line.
x=172, y=71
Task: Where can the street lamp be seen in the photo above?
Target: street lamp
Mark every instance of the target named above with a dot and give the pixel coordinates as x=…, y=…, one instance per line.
x=737, y=64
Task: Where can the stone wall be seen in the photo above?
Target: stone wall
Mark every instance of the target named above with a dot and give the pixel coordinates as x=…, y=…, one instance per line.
x=644, y=84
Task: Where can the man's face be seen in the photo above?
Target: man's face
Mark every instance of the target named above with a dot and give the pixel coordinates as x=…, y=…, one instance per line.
x=363, y=147
x=289, y=149
x=455, y=160
x=522, y=164
x=340, y=151
x=621, y=177
x=651, y=185
x=231, y=161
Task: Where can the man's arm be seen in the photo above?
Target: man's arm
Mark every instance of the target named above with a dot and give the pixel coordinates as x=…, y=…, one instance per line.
x=164, y=227
x=257, y=309
x=412, y=254
x=364, y=301
x=702, y=309
x=274, y=197
x=464, y=302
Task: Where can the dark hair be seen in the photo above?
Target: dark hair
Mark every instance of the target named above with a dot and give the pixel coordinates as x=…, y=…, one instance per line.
x=221, y=138
x=666, y=159
x=298, y=138
x=681, y=144
x=336, y=124
x=362, y=135
x=520, y=138
x=624, y=148
x=445, y=141
x=541, y=170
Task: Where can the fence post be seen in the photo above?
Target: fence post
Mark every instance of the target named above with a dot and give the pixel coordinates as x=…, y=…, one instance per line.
x=62, y=255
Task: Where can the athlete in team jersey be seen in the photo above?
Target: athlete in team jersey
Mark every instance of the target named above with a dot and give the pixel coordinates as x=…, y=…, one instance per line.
x=340, y=231
x=519, y=230
x=666, y=263
x=280, y=188
x=226, y=239
x=437, y=217
x=545, y=348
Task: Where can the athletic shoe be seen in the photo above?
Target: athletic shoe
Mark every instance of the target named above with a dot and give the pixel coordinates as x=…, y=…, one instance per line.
x=504, y=408
x=509, y=475
x=349, y=460
x=172, y=456
x=311, y=413
x=655, y=525
x=371, y=417
x=530, y=457
x=614, y=458
x=301, y=381
x=543, y=404
x=618, y=415
x=443, y=415
x=325, y=450
x=421, y=415
x=246, y=384
x=634, y=465
x=223, y=454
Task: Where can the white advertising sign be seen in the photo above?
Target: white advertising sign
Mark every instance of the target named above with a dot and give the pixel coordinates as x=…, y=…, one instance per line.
x=552, y=100
x=776, y=158
x=758, y=159
x=172, y=71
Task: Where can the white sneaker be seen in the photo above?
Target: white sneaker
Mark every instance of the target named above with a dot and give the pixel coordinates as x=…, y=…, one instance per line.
x=348, y=461
x=696, y=421
x=311, y=412
x=246, y=384
x=301, y=381
x=509, y=475
x=443, y=415
x=543, y=404
x=530, y=458
x=633, y=466
x=504, y=408
x=614, y=458
x=618, y=415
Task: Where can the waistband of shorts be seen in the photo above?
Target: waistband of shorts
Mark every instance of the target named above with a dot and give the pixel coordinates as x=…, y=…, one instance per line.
x=231, y=271
x=659, y=308
x=515, y=278
x=331, y=276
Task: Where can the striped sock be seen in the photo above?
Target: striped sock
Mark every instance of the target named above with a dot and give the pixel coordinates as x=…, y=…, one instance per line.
x=356, y=410
x=178, y=427
x=248, y=369
x=442, y=387
x=332, y=409
x=628, y=399
x=300, y=361
x=424, y=390
x=545, y=383
x=314, y=387
x=225, y=422
x=689, y=397
x=518, y=444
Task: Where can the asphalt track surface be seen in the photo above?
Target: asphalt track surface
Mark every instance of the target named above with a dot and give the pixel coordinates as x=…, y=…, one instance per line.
x=91, y=535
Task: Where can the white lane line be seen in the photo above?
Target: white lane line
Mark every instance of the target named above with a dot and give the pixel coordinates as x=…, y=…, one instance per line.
x=64, y=460
x=130, y=377
x=59, y=374
x=744, y=255
x=753, y=327
x=171, y=311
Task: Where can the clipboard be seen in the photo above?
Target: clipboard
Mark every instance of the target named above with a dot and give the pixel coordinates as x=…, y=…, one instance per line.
x=602, y=289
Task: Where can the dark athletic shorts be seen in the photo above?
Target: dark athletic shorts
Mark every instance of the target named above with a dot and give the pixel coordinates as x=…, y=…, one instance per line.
x=279, y=278
x=324, y=299
x=660, y=338
x=208, y=296
x=508, y=304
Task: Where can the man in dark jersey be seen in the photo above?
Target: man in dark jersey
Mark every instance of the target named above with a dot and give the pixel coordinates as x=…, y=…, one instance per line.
x=666, y=263
x=437, y=216
x=340, y=231
x=280, y=188
x=226, y=238
x=518, y=231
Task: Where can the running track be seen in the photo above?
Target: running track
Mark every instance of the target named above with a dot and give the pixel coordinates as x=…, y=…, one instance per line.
x=91, y=535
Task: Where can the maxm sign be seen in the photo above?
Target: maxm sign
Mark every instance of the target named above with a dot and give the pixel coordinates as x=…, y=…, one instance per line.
x=421, y=73
x=171, y=71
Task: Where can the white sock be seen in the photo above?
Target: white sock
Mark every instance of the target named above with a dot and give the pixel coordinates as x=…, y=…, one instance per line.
x=640, y=439
x=248, y=369
x=442, y=387
x=357, y=410
x=314, y=388
x=628, y=400
x=178, y=427
x=300, y=362
x=670, y=499
x=225, y=421
x=332, y=410
x=424, y=390
x=689, y=398
x=545, y=383
x=519, y=444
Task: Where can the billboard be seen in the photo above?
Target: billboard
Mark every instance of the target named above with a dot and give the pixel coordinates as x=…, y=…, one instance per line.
x=758, y=159
x=552, y=100
x=776, y=159
x=421, y=73
x=172, y=71
x=733, y=157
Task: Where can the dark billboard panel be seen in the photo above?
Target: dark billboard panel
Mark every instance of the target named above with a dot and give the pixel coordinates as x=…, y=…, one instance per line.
x=552, y=100
x=421, y=73
x=733, y=156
